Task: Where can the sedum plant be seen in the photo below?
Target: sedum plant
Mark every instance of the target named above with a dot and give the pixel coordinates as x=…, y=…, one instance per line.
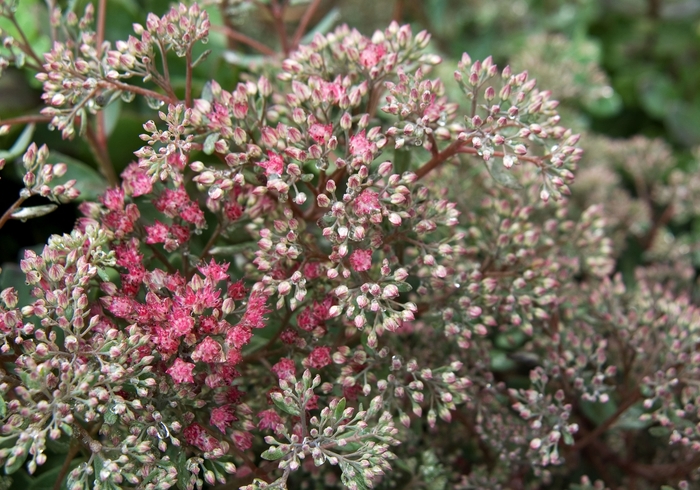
x=331, y=274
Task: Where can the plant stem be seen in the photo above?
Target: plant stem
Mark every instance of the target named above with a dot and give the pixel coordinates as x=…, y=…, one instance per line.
x=8, y=214
x=72, y=453
x=99, y=151
x=101, y=20
x=25, y=46
x=304, y=22
x=439, y=158
x=138, y=90
x=210, y=243
x=277, y=13
x=591, y=436
x=397, y=15
x=188, y=77
x=99, y=139
x=28, y=119
x=242, y=38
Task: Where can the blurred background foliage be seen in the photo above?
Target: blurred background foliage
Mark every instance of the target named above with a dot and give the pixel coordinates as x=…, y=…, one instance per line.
x=623, y=69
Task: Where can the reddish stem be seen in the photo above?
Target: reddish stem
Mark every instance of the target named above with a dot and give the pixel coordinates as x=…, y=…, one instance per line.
x=242, y=38
x=304, y=22
x=29, y=119
x=439, y=158
x=139, y=90
x=188, y=81
x=8, y=214
x=277, y=13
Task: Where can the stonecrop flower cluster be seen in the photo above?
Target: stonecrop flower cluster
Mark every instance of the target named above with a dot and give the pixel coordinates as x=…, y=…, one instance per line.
x=323, y=275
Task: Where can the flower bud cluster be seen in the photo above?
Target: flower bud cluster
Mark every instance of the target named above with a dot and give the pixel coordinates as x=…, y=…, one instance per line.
x=82, y=77
x=422, y=109
x=38, y=179
x=518, y=124
x=369, y=433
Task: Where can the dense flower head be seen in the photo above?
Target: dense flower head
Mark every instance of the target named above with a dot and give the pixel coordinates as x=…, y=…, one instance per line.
x=285, y=269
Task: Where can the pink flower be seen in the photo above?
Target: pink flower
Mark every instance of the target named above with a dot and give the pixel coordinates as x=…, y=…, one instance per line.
x=284, y=368
x=312, y=270
x=181, y=371
x=171, y=200
x=289, y=336
x=221, y=417
x=319, y=357
x=306, y=320
x=180, y=322
x=320, y=132
x=208, y=350
x=113, y=199
x=233, y=210
x=238, y=336
x=237, y=290
x=242, y=440
x=135, y=181
x=273, y=165
x=367, y=202
x=121, y=307
x=254, y=314
x=197, y=436
x=214, y=271
x=359, y=144
x=156, y=233
x=361, y=260
x=269, y=419
x=371, y=55
x=332, y=91
x=192, y=214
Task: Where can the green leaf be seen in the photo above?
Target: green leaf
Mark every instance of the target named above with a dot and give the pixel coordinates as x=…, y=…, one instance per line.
x=403, y=287
x=48, y=478
x=402, y=161
x=598, y=412
x=273, y=454
x=88, y=180
x=20, y=145
x=658, y=431
x=229, y=250
x=501, y=174
x=111, y=115
x=605, y=106
x=201, y=58
x=109, y=416
x=287, y=408
x=23, y=214
x=3, y=407
x=338, y=414
x=13, y=465
x=210, y=142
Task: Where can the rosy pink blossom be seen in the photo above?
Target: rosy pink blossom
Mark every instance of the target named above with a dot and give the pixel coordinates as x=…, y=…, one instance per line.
x=319, y=357
x=273, y=165
x=208, y=350
x=359, y=144
x=269, y=419
x=321, y=132
x=371, y=55
x=367, y=202
x=156, y=233
x=222, y=417
x=181, y=371
x=284, y=368
x=361, y=260
x=197, y=436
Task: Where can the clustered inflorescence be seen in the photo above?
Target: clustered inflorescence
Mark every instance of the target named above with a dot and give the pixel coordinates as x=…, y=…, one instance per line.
x=371, y=248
